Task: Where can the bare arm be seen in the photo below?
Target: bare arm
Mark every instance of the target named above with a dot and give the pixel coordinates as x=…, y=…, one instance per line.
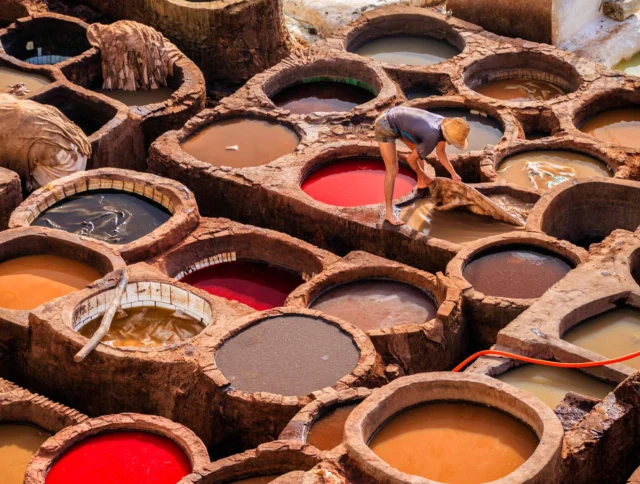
x=444, y=160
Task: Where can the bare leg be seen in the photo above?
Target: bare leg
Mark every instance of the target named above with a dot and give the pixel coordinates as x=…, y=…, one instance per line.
x=390, y=157
x=415, y=163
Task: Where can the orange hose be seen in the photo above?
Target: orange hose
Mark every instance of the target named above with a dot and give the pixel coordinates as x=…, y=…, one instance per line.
x=588, y=364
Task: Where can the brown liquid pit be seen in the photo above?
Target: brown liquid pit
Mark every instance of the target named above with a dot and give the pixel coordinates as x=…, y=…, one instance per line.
x=18, y=443
x=321, y=96
x=611, y=334
x=29, y=281
x=457, y=226
x=287, y=355
x=617, y=126
x=258, y=480
x=380, y=304
x=241, y=143
x=33, y=82
x=520, y=90
x=551, y=384
x=149, y=327
x=454, y=442
x=411, y=50
x=521, y=273
x=139, y=98
x=328, y=431
x=545, y=169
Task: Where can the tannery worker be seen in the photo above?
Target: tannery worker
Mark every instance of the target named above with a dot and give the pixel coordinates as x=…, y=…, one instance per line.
x=422, y=132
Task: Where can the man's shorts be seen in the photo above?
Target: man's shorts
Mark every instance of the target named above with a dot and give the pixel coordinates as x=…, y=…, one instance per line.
x=383, y=130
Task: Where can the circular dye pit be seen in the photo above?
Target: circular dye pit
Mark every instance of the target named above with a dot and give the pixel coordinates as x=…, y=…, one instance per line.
x=544, y=169
x=121, y=458
x=611, y=334
x=377, y=304
x=149, y=327
x=459, y=226
x=139, y=98
x=287, y=355
x=411, y=50
x=32, y=82
x=29, y=281
x=521, y=90
x=256, y=284
x=241, y=143
x=521, y=273
x=484, y=130
x=258, y=480
x=327, y=432
x=630, y=66
x=353, y=182
x=551, y=384
x=321, y=97
x=111, y=216
x=18, y=443
x=617, y=126
x=454, y=442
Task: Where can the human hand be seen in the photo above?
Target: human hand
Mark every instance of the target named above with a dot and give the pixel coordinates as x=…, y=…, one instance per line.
x=456, y=178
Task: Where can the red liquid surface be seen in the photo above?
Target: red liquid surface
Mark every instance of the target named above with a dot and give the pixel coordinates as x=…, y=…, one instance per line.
x=121, y=458
x=256, y=284
x=355, y=181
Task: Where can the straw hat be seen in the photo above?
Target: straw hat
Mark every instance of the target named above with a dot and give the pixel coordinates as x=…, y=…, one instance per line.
x=456, y=132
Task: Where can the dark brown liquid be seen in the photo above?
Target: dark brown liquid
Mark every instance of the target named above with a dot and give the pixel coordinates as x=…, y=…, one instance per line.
x=521, y=90
x=241, y=143
x=411, y=50
x=617, y=126
x=18, y=443
x=484, y=130
x=457, y=226
x=287, y=355
x=377, y=304
x=111, y=216
x=139, y=98
x=454, y=442
x=146, y=327
x=521, y=273
x=321, y=96
x=327, y=432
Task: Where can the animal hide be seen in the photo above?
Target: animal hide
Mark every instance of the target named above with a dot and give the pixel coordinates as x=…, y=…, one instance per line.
x=39, y=142
x=449, y=195
x=134, y=56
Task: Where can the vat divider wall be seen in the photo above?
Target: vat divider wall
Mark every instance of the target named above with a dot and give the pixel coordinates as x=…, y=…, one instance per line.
x=172, y=386
x=38, y=240
x=252, y=418
x=434, y=345
x=174, y=197
x=125, y=133
x=53, y=448
x=272, y=193
x=486, y=315
x=272, y=458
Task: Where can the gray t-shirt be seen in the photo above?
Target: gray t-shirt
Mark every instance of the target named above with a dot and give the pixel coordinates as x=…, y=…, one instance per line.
x=417, y=126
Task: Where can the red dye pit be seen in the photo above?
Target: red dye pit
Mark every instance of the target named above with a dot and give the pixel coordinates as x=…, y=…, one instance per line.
x=121, y=458
x=256, y=284
x=354, y=182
